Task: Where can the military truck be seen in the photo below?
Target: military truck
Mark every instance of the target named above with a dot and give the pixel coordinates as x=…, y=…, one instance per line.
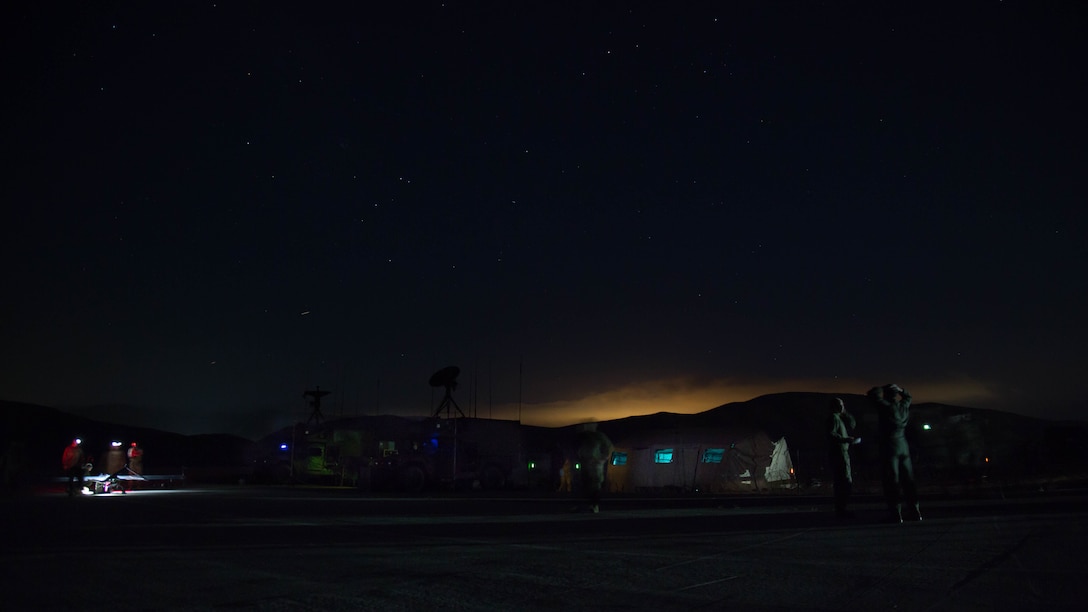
x=452, y=453
x=331, y=456
x=389, y=453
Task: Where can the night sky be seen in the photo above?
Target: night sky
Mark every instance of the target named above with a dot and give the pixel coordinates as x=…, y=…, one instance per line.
x=593, y=209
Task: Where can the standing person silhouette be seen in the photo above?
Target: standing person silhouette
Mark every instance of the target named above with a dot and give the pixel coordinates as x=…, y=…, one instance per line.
x=893, y=411
x=72, y=462
x=565, y=479
x=840, y=427
x=136, y=459
x=593, y=449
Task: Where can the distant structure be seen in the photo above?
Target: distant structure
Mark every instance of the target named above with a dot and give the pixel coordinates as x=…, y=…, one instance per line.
x=447, y=377
x=316, y=393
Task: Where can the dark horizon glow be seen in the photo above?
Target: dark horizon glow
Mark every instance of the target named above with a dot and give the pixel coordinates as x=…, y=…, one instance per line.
x=591, y=211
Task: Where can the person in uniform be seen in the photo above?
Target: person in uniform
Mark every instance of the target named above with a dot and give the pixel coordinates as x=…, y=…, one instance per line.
x=840, y=427
x=565, y=483
x=72, y=463
x=135, y=463
x=136, y=459
x=892, y=403
x=593, y=449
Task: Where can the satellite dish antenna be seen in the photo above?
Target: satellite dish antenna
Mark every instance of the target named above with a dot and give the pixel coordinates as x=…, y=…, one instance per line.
x=316, y=393
x=446, y=377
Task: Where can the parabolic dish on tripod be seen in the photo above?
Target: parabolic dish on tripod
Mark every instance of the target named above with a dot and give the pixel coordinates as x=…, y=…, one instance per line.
x=446, y=377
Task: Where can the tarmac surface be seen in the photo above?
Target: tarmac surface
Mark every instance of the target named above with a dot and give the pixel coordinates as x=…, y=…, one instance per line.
x=253, y=548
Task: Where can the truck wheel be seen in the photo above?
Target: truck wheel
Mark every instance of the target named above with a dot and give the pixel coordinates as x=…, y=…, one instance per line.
x=412, y=479
x=491, y=478
x=281, y=474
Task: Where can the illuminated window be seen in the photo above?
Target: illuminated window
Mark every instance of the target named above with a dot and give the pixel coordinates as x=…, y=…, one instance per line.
x=713, y=455
x=663, y=455
x=619, y=458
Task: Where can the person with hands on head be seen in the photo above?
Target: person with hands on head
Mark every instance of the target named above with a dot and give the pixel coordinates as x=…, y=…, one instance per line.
x=893, y=412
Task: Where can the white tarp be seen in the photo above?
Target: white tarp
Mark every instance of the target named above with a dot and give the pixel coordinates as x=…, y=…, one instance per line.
x=781, y=467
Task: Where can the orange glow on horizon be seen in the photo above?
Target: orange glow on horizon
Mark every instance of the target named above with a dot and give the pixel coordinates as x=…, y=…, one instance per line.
x=691, y=397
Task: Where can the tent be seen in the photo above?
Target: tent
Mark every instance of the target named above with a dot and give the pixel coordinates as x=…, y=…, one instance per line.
x=708, y=460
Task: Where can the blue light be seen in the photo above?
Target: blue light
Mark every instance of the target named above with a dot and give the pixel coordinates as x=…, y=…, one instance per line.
x=283, y=446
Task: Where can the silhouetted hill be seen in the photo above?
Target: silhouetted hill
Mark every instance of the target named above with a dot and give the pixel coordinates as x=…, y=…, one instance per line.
x=944, y=438
x=33, y=438
x=949, y=443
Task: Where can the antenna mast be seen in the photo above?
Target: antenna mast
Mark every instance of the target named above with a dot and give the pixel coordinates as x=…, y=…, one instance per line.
x=316, y=393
